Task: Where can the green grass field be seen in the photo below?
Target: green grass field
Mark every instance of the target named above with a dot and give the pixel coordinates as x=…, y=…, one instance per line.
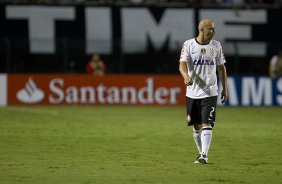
x=130, y=144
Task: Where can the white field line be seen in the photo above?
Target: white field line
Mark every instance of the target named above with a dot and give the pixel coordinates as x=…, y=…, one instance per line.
x=33, y=110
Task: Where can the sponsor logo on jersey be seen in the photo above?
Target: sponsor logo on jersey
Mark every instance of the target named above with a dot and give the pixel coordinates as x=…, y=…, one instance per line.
x=203, y=62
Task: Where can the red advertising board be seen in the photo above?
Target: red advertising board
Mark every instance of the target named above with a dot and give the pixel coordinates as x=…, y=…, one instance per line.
x=69, y=89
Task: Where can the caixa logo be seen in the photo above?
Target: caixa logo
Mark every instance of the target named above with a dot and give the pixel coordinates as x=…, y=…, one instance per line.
x=203, y=62
x=31, y=94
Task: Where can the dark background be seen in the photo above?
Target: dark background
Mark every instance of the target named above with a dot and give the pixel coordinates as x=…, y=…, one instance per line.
x=70, y=54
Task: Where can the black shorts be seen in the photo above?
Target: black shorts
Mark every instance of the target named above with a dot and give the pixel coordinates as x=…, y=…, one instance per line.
x=201, y=110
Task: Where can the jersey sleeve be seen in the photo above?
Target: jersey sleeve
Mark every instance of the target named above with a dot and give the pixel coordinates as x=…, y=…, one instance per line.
x=220, y=58
x=184, y=56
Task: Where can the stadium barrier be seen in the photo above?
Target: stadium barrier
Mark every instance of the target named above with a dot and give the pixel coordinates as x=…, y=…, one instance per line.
x=69, y=89
x=3, y=90
x=88, y=90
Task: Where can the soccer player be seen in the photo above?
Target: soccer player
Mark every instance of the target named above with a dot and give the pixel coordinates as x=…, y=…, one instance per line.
x=200, y=58
x=275, y=65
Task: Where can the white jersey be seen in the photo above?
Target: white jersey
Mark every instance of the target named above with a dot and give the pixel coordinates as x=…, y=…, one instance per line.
x=202, y=60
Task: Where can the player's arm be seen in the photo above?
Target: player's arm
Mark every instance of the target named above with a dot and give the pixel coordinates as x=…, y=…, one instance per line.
x=223, y=79
x=184, y=72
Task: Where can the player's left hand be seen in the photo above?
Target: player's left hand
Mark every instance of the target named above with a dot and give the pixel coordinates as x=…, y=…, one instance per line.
x=224, y=96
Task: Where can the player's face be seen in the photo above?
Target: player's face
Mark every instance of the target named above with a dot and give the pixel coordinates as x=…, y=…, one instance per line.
x=209, y=31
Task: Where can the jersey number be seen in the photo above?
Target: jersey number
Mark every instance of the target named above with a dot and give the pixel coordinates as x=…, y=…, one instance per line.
x=211, y=113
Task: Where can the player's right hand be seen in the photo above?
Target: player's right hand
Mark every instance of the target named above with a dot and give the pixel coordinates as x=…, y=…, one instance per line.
x=188, y=81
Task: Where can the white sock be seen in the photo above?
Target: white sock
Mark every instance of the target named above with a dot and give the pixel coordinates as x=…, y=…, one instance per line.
x=206, y=137
x=197, y=139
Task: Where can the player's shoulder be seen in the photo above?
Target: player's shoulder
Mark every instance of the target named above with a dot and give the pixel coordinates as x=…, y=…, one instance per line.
x=215, y=43
x=190, y=42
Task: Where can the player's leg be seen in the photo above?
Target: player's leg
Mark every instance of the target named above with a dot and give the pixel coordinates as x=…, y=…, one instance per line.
x=197, y=130
x=206, y=138
x=208, y=119
x=193, y=118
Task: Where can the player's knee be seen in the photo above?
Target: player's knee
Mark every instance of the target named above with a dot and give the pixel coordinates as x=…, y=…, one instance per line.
x=197, y=126
x=206, y=125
